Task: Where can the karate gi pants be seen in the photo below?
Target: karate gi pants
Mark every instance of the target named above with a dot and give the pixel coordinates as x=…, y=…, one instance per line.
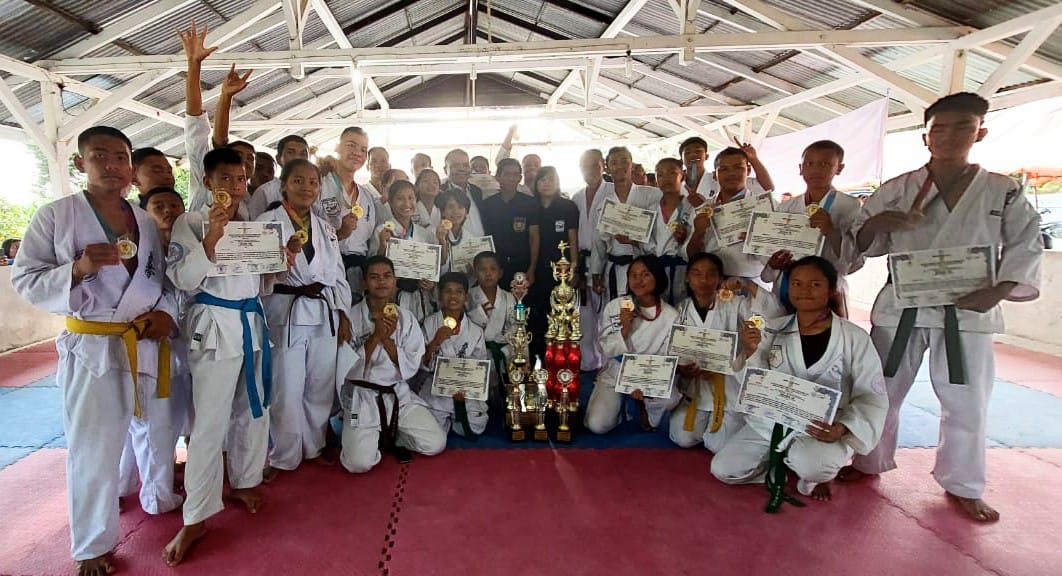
x=148, y=456
x=418, y=431
x=960, y=462
x=744, y=459
x=304, y=389
x=713, y=441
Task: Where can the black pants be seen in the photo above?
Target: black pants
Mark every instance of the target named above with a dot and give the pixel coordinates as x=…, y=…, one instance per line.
x=538, y=320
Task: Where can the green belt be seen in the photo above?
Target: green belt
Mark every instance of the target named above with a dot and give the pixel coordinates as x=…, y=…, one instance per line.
x=952, y=344
x=776, y=474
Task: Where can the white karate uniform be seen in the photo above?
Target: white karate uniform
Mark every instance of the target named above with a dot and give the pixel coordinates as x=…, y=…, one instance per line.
x=603, y=412
x=729, y=316
x=417, y=428
x=843, y=211
x=473, y=220
x=850, y=365
x=427, y=216
x=198, y=142
x=332, y=205
x=735, y=261
x=216, y=356
x=263, y=196
x=606, y=246
x=590, y=307
x=94, y=371
x=496, y=326
x=467, y=343
x=709, y=188
x=662, y=243
x=421, y=302
x=993, y=211
x=305, y=345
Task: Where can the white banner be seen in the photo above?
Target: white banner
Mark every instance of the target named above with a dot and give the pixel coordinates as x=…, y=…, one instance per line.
x=861, y=133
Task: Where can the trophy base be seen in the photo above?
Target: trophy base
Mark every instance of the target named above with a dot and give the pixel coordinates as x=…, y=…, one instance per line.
x=541, y=435
x=517, y=435
x=564, y=436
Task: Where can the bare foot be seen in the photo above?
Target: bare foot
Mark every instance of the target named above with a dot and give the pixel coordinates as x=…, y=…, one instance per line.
x=850, y=474
x=97, y=566
x=976, y=508
x=821, y=492
x=329, y=456
x=269, y=474
x=250, y=497
x=182, y=543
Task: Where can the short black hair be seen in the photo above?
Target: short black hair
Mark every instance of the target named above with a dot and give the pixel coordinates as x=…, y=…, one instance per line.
x=6, y=246
x=374, y=149
x=828, y=270
x=354, y=130
x=967, y=102
x=90, y=133
x=672, y=161
x=453, y=278
x=294, y=164
x=264, y=158
x=704, y=257
x=826, y=146
x=239, y=143
x=483, y=158
x=287, y=139
x=219, y=157
x=486, y=255
x=691, y=141
x=146, y=198
x=730, y=151
x=545, y=172
x=142, y=154
x=444, y=197
x=508, y=162
x=397, y=186
x=656, y=268
x=617, y=150
x=452, y=153
x=378, y=259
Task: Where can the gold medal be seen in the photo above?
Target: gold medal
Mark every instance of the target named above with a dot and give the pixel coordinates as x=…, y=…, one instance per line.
x=725, y=295
x=626, y=303
x=126, y=248
x=390, y=309
x=358, y=211
x=389, y=226
x=707, y=210
x=450, y=322
x=758, y=321
x=446, y=225
x=222, y=198
x=812, y=209
x=301, y=236
x=672, y=226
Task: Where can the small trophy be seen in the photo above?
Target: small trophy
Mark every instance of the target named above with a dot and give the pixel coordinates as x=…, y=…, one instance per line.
x=564, y=432
x=541, y=376
x=516, y=432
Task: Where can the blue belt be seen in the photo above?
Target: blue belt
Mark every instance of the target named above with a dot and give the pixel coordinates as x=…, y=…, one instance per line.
x=672, y=263
x=245, y=307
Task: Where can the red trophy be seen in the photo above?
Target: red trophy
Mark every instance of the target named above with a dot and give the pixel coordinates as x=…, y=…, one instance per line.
x=562, y=346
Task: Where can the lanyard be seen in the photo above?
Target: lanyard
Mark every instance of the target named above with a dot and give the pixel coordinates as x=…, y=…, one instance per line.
x=130, y=220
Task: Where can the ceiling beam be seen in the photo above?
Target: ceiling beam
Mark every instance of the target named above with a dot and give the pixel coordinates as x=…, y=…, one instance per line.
x=1028, y=45
x=357, y=78
x=34, y=131
x=112, y=102
x=130, y=23
x=295, y=13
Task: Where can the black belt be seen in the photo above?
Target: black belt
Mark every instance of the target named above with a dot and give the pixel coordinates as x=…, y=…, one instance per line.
x=354, y=261
x=408, y=284
x=388, y=425
x=671, y=263
x=582, y=270
x=311, y=291
x=612, y=283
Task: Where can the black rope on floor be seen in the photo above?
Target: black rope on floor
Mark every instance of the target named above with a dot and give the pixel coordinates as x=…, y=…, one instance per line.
x=392, y=522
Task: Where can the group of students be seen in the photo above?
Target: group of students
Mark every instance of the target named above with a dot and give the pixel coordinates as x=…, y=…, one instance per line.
x=251, y=367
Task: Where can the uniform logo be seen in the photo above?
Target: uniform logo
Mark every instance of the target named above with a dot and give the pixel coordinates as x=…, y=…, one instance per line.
x=174, y=253
x=149, y=269
x=558, y=226
x=774, y=357
x=330, y=206
x=519, y=224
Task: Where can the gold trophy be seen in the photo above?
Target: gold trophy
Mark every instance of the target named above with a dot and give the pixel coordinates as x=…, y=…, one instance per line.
x=564, y=432
x=563, y=355
x=520, y=404
x=516, y=431
x=541, y=402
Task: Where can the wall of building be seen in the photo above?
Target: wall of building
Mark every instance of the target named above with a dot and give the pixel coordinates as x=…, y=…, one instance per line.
x=20, y=323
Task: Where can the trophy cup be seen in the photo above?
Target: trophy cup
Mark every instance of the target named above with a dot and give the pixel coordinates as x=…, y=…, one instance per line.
x=519, y=402
x=563, y=357
x=516, y=432
x=564, y=433
x=541, y=402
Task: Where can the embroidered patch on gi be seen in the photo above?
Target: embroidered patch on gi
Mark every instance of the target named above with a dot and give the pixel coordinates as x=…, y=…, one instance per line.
x=774, y=357
x=998, y=213
x=558, y=226
x=354, y=420
x=197, y=337
x=174, y=253
x=149, y=269
x=330, y=206
x=519, y=224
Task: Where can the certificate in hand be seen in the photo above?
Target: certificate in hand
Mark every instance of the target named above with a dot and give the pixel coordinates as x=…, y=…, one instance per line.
x=653, y=375
x=770, y=232
x=619, y=219
x=786, y=399
x=462, y=255
x=940, y=276
x=249, y=248
x=712, y=350
x=468, y=375
x=731, y=220
x=417, y=260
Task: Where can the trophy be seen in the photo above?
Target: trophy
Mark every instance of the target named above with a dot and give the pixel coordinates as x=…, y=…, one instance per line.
x=541, y=377
x=525, y=404
x=563, y=357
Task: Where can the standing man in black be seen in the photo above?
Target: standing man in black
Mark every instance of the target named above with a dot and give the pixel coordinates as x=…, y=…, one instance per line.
x=512, y=219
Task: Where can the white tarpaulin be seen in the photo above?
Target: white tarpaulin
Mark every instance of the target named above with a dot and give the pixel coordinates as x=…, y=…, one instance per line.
x=861, y=133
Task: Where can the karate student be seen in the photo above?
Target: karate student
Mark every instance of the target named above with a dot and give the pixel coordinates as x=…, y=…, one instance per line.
x=427, y=186
x=490, y=307
x=817, y=345
x=641, y=330
x=379, y=409
x=457, y=170
x=308, y=311
x=151, y=169
x=379, y=164
x=612, y=255
x=413, y=294
x=71, y=263
x=289, y=148
x=467, y=417
x=708, y=412
x=348, y=206
x=831, y=211
x=229, y=357
x=148, y=457
x=588, y=201
x=265, y=169
x=948, y=203
x=671, y=227
x=700, y=185
x=454, y=210
x=731, y=171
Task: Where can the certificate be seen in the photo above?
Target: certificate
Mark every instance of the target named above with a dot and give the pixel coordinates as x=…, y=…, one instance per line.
x=462, y=255
x=731, y=220
x=770, y=232
x=417, y=260
x=653, y=375
x=618, y=219
x=712, y=350
x=467, y=375
x=249, y=248
x=940, y=276
x=786, y=399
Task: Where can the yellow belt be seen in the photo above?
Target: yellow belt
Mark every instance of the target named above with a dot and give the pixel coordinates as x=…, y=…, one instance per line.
x=129, y=332
x=718, y=405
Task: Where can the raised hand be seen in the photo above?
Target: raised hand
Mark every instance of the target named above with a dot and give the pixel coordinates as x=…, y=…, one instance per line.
x=234, y=83
x=194, y=43
x=94, y=257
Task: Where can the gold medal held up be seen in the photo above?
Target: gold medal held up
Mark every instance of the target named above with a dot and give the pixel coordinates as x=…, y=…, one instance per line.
x=450, y=322
x=390, y=309
x=222, y=198
x=389, y=226
x=301, y=236
x=446, y=225
x=626, y=303
x=812, y=209
x=710, y=211
x=126, y=248
x=725, y=295
x=758, y=321
x=358, y=211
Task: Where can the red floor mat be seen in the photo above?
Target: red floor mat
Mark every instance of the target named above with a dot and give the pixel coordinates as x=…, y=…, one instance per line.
x=28, y=365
